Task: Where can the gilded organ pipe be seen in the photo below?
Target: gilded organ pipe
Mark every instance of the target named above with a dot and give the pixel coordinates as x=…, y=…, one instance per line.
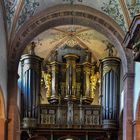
x=71, y=76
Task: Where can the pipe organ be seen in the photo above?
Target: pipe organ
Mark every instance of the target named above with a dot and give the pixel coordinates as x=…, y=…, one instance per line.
x=30, y=81
x=70, y=86
x=72, y=77
x=110, y=91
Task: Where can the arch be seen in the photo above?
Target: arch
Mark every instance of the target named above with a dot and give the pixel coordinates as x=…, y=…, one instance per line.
x=2, y=115
x=62, y=15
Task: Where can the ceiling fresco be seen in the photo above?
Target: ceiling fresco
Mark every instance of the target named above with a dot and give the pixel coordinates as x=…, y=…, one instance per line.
x=71, y=35
x=22, y=10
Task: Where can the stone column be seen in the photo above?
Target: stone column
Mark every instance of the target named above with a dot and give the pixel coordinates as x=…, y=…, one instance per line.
x=12, y=124
x=71, y=76
x=110, y=91
x=31, y=75
x=128, y=80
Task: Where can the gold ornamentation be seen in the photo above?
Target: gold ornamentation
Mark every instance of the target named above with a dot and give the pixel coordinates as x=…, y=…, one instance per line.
x=93, y=82
x=47, y=80
x=71, y=63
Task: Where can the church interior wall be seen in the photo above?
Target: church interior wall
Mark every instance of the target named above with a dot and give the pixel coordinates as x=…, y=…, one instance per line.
x=3, y=58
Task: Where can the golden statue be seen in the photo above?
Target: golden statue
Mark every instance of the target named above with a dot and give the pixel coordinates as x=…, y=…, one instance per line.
x=47, y=81
x=93, y=82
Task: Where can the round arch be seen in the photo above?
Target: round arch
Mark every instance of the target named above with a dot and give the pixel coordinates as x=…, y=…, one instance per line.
x=62, y=15
x=2, y=115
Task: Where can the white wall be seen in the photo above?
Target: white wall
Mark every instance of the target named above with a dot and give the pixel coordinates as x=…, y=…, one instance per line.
x=3, y=58
x=137, y=86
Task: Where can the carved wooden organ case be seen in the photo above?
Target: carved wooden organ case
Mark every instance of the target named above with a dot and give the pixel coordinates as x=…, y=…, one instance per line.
x=69, y=90
x=70, y=74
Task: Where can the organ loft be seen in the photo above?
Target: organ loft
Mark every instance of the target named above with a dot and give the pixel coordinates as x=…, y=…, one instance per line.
x=70, y=95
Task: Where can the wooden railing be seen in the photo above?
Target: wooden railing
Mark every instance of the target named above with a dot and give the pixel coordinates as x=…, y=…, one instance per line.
x=87, y=116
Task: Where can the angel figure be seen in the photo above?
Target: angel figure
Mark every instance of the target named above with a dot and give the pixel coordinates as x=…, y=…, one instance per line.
x=93, y=82
x=47, y=81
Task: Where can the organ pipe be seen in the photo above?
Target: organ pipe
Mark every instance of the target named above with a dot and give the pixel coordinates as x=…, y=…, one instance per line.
x=31, y=79
x=110, y=91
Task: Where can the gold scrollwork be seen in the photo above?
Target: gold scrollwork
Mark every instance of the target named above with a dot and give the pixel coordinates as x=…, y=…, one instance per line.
x=93, y=82
x=47, y=81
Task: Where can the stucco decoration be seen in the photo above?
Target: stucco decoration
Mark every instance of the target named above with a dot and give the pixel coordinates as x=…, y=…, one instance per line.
x=27, y=11
x=113, y=9
x=10, y=6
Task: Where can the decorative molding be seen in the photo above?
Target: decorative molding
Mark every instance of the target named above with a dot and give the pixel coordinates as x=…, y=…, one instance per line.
x=112, y=8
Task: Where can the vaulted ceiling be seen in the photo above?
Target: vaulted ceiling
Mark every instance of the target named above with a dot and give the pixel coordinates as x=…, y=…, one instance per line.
x=71, y=35
x=19, y=12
